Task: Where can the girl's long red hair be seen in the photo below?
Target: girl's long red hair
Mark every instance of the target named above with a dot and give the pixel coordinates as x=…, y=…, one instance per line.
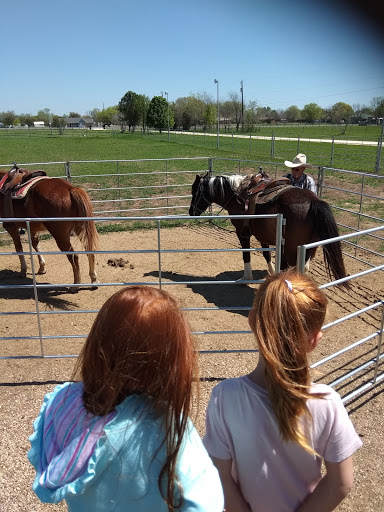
x=140, y=343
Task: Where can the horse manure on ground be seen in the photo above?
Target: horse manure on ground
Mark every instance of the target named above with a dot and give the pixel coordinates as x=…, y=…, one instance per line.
x=119, y=262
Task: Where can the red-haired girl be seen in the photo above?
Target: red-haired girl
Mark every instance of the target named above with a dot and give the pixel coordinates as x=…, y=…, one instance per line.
x=120, y=438
x=268, y=432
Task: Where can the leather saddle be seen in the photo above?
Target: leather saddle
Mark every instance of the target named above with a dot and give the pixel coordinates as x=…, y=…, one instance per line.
x=15, y=183
x=259, y=189
x=17, y=178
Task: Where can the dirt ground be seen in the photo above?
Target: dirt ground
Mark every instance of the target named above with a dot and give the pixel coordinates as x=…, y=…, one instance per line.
x=25, y=381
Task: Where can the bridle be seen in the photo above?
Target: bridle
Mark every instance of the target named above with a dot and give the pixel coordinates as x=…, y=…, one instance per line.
x=198, y=197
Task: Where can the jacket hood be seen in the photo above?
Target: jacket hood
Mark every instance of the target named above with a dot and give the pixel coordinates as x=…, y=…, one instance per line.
x=65, y=439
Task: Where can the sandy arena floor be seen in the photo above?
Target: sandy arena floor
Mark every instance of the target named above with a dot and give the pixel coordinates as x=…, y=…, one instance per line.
x=25, y=381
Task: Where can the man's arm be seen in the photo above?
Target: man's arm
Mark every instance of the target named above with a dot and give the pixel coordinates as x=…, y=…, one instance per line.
x=332, y=488
x=233, y=499
x=312, y=184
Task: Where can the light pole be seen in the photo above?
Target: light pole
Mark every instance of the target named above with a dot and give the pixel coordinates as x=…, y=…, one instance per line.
x=218, y=113
x=242, y=105
x=168, y=112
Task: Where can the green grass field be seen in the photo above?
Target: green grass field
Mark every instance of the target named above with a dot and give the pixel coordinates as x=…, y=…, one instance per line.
x=36, y=145
x=120, y=188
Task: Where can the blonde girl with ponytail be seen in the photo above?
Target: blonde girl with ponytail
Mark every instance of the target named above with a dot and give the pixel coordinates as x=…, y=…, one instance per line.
x=268, y=432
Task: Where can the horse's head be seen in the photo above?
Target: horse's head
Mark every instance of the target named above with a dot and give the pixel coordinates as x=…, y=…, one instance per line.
x=201, y=198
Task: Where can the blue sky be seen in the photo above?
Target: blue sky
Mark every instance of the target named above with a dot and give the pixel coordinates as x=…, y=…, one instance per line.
x=76, y=55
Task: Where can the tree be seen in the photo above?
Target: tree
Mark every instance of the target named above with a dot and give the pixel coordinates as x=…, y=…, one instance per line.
x=266, y=114
x=143, y=105
x=74, y=114
x=292, y=114
x=209, y=116
x=341, y=112
x=377, y=105
x=361, y=113
x=59, y=122
x=311, y=112
x=8, y=118
x=44, y=115
x=26, y=120
x=107, y=116
x=129, y=107
x=236, y=108
x=226, y=112
x=189, y=111
x=250, y=115
x=157, y=115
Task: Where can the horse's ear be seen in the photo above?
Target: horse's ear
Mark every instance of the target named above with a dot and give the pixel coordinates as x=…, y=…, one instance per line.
x=205, y=175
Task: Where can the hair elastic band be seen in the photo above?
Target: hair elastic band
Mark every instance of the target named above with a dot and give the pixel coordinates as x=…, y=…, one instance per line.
x=289, y=285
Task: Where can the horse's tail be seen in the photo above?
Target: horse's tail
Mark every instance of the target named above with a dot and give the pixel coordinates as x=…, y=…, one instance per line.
x=86, y=231
x=325, y=227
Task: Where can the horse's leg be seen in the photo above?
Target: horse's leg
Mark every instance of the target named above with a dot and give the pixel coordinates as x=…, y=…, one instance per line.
x=267, y=257
x=14, y=232
x=35, y=245
x=245, y=242
x=92, y=271
x=64, y=244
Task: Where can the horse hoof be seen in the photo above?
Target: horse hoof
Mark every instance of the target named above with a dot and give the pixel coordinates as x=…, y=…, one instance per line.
x=73, y=290
x=41, y=272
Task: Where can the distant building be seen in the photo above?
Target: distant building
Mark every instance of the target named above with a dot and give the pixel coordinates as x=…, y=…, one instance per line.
x=38, y=124
x=79, y=122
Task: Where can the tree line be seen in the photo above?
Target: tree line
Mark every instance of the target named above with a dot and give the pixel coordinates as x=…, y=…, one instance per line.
x=200, y=112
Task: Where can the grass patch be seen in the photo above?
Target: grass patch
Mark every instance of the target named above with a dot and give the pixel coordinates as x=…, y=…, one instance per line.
x=21, y=147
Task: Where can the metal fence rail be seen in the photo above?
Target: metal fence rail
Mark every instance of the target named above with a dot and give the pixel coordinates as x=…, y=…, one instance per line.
x=159, y=251
x=167, y=173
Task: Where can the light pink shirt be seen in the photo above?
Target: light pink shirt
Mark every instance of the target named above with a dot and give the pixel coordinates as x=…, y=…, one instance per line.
x=274, y=476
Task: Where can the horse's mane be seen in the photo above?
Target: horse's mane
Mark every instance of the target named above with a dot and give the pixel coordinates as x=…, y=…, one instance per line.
x=221, y=185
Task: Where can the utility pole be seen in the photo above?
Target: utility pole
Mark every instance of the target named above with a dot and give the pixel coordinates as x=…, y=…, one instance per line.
x=242, y=105
x=168, y=112
x=218, y=114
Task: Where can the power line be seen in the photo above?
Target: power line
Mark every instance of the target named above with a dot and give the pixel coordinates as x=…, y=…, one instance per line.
x=328, y=95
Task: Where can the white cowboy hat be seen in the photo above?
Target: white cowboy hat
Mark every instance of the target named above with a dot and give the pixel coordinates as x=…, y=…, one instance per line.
x=300, y=160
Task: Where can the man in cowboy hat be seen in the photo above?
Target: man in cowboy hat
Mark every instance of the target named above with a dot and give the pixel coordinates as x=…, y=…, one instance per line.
x=297, y=177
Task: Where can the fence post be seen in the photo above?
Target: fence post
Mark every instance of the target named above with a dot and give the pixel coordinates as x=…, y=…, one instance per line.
x=379, y=345
x=67, y=169
x=35, y=293
x=332, y=149
x=298, y=144
x=250, y=141
x=159, y=252
x=280, y=222
x=210, y=171
x=300, y=261
x=273, y=145
x=379, y=149
x=166, y=182
x=320, y=182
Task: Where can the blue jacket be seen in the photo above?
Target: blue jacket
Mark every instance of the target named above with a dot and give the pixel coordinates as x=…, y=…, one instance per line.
x=106, y=464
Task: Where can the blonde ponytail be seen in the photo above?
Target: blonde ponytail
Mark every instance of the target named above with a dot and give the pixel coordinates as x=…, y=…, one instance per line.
x=288, y=309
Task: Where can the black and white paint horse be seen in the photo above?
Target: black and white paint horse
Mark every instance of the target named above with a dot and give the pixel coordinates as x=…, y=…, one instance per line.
x=308, y=219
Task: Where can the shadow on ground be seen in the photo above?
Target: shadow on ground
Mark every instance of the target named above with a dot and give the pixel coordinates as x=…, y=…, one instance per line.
x=222, y=295
x=52, y=299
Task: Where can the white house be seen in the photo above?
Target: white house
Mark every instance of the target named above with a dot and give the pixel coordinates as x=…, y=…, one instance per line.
x=79, y=122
